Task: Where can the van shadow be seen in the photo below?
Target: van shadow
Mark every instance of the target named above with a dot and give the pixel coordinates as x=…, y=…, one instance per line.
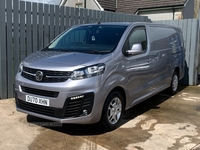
x=97, y=128
x=185, y=79
x=149, y=104
x=198, y=79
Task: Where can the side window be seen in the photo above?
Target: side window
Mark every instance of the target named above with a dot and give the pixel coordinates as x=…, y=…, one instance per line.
x=168, y=38
x=136, y=36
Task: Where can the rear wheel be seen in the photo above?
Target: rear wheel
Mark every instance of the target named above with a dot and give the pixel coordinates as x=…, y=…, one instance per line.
x=174, y=84
x=112, y=111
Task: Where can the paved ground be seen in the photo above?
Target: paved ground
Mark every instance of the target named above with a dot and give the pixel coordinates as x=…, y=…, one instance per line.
x=160, y=123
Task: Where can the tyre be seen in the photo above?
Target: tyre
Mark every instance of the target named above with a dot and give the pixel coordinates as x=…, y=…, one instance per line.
x=174, y=84
x=112, y=111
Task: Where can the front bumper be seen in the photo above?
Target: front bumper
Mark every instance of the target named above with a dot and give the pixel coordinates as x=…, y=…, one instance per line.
x=69, y=102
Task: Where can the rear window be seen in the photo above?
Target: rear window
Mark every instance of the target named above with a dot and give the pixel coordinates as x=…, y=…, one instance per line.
x=89, y=38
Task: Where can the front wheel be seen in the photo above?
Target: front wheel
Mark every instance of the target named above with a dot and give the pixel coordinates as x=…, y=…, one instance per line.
x=112, y=111
x=174, y=84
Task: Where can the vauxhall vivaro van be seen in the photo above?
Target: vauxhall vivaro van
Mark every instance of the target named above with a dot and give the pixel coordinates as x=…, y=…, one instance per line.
x=94, y=72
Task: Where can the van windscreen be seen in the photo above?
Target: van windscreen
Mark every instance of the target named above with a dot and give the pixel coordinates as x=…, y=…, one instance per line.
x=89, y=39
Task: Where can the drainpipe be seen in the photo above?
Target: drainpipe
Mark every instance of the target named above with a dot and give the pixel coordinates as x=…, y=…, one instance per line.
x=173, y=9
x=84, y=3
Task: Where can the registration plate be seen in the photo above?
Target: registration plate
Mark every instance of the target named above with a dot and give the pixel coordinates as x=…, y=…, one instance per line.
x=37, y=100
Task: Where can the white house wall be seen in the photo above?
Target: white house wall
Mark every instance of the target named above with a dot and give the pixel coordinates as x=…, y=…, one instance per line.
x=162, y=15
x=90, y=4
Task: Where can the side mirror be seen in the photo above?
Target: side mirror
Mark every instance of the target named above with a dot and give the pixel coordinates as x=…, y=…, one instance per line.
x=136, y=49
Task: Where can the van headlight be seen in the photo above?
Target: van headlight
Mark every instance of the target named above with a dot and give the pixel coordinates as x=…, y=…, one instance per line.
x=88, y=72
x=21, y=67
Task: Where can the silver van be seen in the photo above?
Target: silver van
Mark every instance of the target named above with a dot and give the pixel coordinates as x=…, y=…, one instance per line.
x=94, y=72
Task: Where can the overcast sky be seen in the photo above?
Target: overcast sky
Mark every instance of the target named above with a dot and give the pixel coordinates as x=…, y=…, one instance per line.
x=56, y=2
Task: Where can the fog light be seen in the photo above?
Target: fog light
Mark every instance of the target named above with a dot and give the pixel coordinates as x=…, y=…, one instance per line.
x=85, y=113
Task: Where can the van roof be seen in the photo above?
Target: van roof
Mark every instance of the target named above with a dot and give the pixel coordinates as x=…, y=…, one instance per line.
x=126, y=23
x=131, y=23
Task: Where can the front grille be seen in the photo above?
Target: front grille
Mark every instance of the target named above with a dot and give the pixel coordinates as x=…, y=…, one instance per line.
x=39, y=92
x=72, y=108
x=36, y=108
x=75, y=107
x=48, y=75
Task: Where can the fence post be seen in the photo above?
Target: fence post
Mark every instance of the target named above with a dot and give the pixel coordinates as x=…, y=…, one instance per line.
x=3, y=75
x=199, y=44
x=194, y=53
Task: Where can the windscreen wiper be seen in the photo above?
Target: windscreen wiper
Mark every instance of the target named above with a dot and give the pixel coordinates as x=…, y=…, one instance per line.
x=96, y=52
x=56, y=50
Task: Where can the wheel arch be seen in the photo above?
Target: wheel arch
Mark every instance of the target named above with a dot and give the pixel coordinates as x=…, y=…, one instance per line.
x=122, y=92
x=177, y=70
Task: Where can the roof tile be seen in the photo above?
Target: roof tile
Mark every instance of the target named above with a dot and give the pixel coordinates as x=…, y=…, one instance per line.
x=131, y=6
x=108, y=4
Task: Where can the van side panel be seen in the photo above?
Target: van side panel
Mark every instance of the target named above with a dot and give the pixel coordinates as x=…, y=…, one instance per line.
x=166, y=51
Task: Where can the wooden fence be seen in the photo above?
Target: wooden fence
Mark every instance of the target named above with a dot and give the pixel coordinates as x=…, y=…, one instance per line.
x=26, y=27
x=190, y=29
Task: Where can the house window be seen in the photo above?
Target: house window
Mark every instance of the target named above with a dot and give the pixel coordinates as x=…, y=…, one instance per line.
x=79, y=5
